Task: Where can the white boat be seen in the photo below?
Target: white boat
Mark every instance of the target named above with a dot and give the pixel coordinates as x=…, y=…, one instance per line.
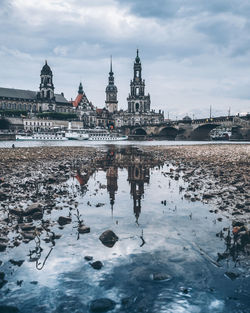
x=104, y=135
x=42, y=137
x=220, y=134
x=76, y=134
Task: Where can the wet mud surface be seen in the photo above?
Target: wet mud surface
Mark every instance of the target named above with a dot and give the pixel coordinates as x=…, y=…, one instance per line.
x=122, y=229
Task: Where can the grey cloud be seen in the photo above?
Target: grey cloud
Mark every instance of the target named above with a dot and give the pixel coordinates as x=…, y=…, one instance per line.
x=185, y=8
x=181, y=42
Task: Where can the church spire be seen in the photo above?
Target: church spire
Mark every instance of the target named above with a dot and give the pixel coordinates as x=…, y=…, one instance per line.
x=111, y=70
x=111, y=91
x=80, y=90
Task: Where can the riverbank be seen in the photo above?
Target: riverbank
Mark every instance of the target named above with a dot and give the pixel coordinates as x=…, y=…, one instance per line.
x=218, y=174
x=62, y=199
x=215, y=173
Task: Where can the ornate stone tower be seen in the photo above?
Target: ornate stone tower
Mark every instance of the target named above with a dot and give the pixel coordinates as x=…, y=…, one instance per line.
x=46, y=85
x=111, y=92
x=137, y=101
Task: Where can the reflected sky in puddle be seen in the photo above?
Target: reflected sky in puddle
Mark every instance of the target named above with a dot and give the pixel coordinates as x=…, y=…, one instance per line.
x=174, y=241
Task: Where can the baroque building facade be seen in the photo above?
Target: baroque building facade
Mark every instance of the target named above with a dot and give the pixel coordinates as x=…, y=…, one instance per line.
x=138, y=112
x=84, y=109
x=35, y=101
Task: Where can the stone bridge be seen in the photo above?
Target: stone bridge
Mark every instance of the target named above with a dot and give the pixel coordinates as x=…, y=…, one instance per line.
x=192, y=130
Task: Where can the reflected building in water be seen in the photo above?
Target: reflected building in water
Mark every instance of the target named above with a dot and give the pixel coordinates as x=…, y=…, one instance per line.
x=112, y=185
x=137, y=164
x=138, y=175
x=138, y=167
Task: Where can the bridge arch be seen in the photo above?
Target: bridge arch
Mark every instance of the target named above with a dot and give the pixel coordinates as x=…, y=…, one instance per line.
x=202, y=132
x=139, y=131
x=168, y=132
x=4, y=123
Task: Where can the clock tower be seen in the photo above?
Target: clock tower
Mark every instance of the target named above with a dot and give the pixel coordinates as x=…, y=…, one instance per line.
x=111, y=93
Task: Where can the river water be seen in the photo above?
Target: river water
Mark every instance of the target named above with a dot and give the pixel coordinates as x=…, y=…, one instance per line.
x=86, y=143
x=164, y=261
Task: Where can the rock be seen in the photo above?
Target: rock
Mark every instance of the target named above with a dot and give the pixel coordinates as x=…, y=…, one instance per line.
x=16, y=211
x=108, y=238
x=37, y=216
x=98, y=205
x=160, y=276
x=3, y=196
x=83, y=229
x=232, y=275
x=8, y=309
x=33, y=208
x=88, y=258
x=237, y=223
x=207, y=196
x=97, y=265
x=239, y=206
x=27, y=227
x=64, y=220
x=51, y=180
x=17, y=263
x=3, y=247
x=102, y=305
x=28, y=235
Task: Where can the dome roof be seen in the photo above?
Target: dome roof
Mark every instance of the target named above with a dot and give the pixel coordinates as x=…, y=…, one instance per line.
x=46, y=70
x=187, y=118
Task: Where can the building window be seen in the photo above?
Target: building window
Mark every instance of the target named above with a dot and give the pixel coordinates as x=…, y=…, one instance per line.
x=137, y=91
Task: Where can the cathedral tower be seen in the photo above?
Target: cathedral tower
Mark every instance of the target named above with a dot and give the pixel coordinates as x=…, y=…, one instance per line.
x=137, y=101
x=46, y=85
x=111, y=92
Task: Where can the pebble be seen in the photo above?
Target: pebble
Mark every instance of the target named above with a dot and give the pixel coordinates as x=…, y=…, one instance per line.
x=102, y=305
x=97, y=265
x=62, y=220
x=83, y=229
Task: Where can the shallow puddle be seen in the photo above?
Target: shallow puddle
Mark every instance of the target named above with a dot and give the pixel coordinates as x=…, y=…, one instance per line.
x=164, y=261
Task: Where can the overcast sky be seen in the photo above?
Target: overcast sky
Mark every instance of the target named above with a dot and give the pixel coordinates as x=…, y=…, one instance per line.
x=194, y=53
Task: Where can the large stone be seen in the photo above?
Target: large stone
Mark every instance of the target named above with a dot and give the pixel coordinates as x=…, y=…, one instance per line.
x=83, y=229
x=37, y=215
x=51, y=180
x=64, y=220
x=3, y=247
x=16, y=211
x=33, y=208
x=108, y=238
x=27, y=227
x=97, y=265
x=16, y=263
x=102, y=305
x=29, y=235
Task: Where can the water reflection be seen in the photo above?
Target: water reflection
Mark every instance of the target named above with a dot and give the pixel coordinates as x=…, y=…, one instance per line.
x=137, y=164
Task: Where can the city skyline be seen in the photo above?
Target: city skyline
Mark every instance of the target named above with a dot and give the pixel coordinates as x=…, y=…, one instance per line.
x=193, y=56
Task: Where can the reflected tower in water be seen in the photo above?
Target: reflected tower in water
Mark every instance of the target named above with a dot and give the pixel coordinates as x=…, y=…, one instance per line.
x=112, y=186
x=138, y=175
